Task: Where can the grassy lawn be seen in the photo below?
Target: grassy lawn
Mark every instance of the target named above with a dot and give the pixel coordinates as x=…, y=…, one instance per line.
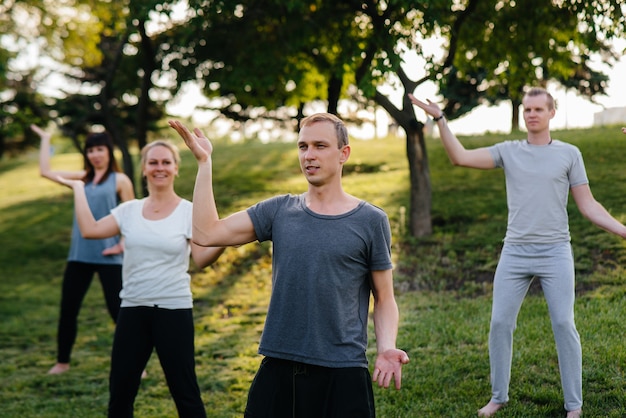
x=443, y=287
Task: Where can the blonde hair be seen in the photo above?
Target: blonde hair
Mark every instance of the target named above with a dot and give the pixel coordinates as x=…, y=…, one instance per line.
x=340, y=128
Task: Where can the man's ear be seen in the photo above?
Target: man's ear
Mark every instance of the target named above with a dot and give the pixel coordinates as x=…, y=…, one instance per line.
x=345, y=153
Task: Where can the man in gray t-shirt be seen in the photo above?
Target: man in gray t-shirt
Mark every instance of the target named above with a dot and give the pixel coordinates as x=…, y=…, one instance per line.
x=331, y=251
x=540, y=173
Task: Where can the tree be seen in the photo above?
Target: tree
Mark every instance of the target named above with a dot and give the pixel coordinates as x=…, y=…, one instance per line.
x=509, y=45
x=280, y=44
x=104, y=53
x=360, y=42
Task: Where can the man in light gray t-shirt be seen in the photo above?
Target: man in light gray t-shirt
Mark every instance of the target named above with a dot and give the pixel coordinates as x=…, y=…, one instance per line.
x=540, y=173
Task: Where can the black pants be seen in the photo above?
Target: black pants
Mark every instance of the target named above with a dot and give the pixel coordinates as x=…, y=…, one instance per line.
x=76, y=281
x=139, y=330
x=287, y=389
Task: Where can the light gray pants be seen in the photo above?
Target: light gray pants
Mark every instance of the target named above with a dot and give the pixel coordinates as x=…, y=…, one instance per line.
x=553, y=265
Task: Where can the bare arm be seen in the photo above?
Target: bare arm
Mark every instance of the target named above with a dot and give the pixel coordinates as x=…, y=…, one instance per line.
x=125, y=191
x=475, y=158
x=208, y=229
x=591, y=209
x=89, y=228
x=44, y=159
x=205, y=256
x=124, y=187
x=389, y=359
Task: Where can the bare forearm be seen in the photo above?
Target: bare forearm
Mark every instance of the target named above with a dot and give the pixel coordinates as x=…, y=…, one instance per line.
x=386, y=318
x=450, y=142
x=84, y=217
x=205, y=214
x=44, y=158
x=599, y=216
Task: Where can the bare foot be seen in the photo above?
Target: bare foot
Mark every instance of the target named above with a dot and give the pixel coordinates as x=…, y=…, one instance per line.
x=59, y=368
x=490, y=409
x=577, y=413
x=144, y=374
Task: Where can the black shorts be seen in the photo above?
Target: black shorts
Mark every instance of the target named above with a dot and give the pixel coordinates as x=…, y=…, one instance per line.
x=288, y=389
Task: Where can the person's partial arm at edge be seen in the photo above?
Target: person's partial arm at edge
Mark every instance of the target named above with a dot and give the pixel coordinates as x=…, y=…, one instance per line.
x=593, y=210
x=474, y=158
x=208, y=229
x=89, y=228
x=389, y=359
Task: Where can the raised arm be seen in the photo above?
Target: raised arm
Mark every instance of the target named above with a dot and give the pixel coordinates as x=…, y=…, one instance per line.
x=389, y=359
x=89, y=228
x=592, y=210
x=208, y=229
x=475, y=158
x=44, y=159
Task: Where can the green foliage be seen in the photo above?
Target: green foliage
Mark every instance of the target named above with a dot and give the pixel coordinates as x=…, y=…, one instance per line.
x=443, y=289
x=503, y=47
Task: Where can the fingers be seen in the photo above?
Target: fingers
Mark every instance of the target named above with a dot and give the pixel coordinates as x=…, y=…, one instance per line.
x=398, y=379
x=384, y=378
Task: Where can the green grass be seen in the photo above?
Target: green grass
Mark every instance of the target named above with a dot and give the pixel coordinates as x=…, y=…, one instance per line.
x=443, y=287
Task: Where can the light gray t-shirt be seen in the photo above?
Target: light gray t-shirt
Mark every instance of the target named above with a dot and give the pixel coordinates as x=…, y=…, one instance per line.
x=538, y=180
x=321, y=274
x=156, y=256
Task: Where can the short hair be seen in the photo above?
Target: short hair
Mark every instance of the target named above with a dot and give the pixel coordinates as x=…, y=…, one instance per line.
x=160, y=143
x=340, y=128
x=538, y=91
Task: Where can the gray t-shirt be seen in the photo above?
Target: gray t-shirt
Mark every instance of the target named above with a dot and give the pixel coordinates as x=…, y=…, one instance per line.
x=321, y=278
x=538, y=180
x=101, y=198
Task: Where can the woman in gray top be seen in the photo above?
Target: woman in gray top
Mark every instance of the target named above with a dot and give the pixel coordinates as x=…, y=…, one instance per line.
x=106, y=187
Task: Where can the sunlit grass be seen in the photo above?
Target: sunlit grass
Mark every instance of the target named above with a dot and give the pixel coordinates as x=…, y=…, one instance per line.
x=444, y=324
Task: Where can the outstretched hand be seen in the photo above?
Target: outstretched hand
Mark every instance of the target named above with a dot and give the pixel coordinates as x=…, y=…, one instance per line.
x=197, y=142
x=388, y=365
x=430, y=108
x=42, y=134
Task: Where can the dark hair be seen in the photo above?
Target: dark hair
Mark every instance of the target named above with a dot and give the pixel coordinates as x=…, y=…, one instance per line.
x=96, y=139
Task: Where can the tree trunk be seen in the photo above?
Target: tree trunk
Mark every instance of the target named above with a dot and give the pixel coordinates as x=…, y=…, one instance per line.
x=515, y=115
x=334, y=91
x=148, y=65
x=110, y=121
x=420, y=204
x=420, y=219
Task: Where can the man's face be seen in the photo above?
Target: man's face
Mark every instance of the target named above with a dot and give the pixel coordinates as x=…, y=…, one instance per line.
x=537, y=114
x=320, y=158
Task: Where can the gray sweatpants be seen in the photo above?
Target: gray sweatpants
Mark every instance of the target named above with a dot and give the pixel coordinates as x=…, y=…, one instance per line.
x=553, y=265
